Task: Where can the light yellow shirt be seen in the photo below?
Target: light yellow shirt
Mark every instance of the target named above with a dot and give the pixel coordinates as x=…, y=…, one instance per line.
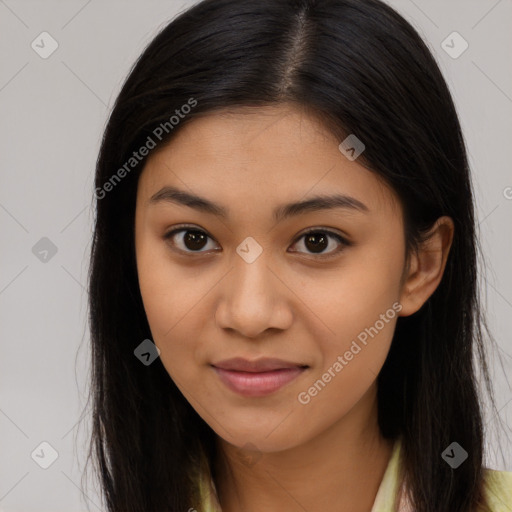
x=498, y=488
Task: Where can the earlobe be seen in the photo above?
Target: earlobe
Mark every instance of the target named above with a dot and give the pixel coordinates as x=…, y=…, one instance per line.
x=427, y=266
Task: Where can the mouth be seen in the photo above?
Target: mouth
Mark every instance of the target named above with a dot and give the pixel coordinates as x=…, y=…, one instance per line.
x=257, y=378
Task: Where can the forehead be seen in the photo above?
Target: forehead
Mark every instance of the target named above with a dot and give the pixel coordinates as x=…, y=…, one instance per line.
x=256, y=131
x=272, y=152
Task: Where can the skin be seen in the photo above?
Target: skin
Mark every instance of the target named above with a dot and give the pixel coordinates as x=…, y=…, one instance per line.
x=204, y=306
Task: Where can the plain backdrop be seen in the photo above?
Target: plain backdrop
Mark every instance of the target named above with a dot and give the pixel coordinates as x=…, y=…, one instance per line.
x=53, y=112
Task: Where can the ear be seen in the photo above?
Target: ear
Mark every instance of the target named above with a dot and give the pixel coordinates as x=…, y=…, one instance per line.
x=426, y=266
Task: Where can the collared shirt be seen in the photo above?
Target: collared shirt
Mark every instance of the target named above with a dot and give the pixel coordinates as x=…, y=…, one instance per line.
x=390, y=498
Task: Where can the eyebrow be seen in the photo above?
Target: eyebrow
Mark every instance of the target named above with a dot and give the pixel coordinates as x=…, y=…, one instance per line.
x=170, y=194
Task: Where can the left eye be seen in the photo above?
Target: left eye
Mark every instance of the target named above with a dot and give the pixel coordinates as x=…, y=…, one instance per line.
x=316, y=241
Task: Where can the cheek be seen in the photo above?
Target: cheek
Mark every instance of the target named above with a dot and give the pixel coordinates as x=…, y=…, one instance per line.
x=174, y=298
x=168, y=291
x=163, y=292
x=353, y=296
x=359, y=305
x=350, y=366
x=371, y=284
x=155, y=282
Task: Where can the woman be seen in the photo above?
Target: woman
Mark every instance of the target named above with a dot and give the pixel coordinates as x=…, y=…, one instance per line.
x=283, y=284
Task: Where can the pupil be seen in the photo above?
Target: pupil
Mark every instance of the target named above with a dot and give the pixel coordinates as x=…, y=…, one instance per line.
x=194, y=240
x=318, y=241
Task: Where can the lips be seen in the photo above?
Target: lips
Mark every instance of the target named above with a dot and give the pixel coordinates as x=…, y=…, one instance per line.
x=259, y=365
x=257, y=378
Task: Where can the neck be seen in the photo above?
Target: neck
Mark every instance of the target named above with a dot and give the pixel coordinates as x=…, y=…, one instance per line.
x=343, y=465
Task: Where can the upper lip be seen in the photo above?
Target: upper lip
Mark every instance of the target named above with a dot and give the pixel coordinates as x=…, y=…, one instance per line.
x=264, y=364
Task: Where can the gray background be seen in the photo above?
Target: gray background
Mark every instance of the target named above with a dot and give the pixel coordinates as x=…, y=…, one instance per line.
x=53, y=112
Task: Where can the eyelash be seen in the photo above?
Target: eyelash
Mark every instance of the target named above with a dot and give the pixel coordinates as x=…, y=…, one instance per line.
x=344, y=243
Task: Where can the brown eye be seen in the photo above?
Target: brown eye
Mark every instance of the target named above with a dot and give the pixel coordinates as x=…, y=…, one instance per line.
x=317, y=241
x=190, y=240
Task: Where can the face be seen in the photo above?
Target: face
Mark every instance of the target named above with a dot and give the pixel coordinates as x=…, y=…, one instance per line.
x=236, y=274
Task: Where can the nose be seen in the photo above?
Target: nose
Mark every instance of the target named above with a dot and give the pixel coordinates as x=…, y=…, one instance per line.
x=254, y=299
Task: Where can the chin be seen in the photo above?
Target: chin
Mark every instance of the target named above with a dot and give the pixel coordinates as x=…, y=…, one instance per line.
x=260, y=441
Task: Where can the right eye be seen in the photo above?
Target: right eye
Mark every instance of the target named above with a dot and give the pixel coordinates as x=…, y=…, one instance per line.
x=191, y=239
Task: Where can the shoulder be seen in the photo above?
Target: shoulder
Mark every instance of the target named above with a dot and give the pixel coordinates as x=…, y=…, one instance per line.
x=498, y=489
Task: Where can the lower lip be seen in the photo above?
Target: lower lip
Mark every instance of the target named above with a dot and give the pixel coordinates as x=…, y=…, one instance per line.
x=257, y=384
